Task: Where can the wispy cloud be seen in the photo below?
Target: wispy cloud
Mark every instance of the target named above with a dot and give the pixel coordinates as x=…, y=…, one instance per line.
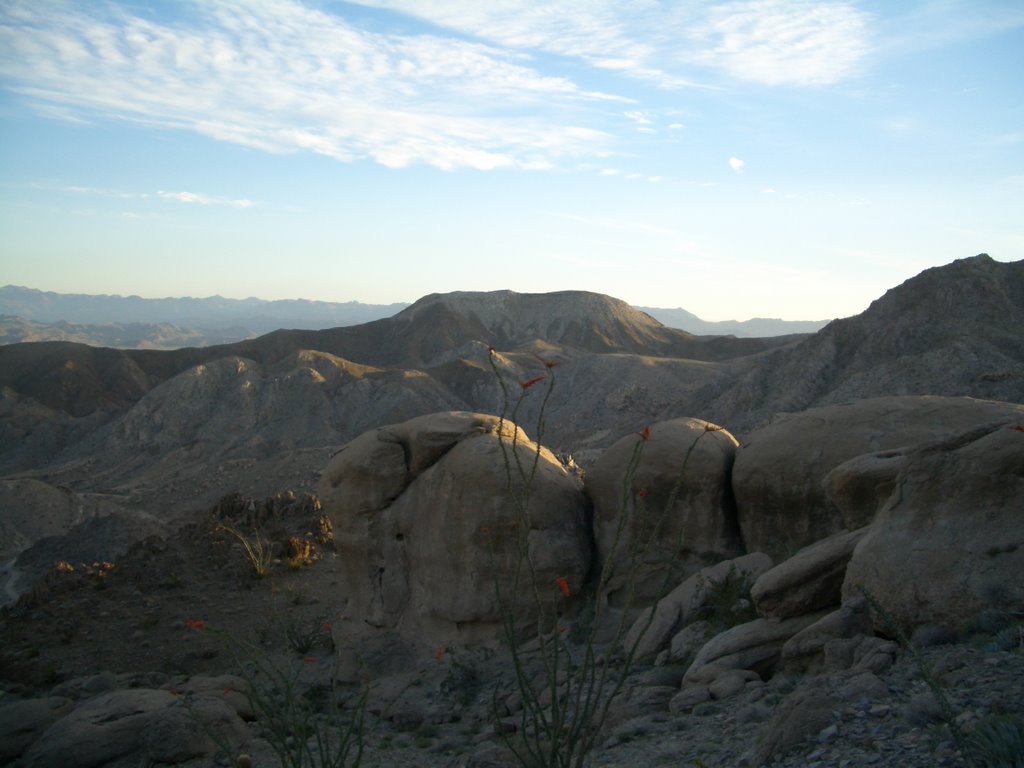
x=776, y=42
x=201, y=199
x=281, y=76
x=286, y=75
x=784, y=42
x=197, y=198
x=736, y=164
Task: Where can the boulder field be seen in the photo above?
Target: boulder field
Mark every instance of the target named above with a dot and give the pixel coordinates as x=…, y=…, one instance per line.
x=753, y=656
x=913, y=500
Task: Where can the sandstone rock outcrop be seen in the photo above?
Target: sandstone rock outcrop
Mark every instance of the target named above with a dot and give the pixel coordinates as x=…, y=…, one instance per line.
x=810, y=580
x=156, y=725
x=22, y=722
x=678, y=506
x=431, y=516
x=777, y=478
x=807, y=647
x=949, y=541
x=684, y=604
x=755, y=646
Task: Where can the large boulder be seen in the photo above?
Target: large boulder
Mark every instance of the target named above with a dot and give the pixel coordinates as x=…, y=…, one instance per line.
x=156, y=726
x=22, y=722
x=436, y=517
x=668, y=514
x=777, y=478
x=949, y=541
x=810, y=580
x=756, y=645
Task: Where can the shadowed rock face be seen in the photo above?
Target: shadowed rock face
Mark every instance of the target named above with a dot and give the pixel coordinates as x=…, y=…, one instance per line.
x=778, y=478
x=674, y=503
x=428, y=521
x=948, y=543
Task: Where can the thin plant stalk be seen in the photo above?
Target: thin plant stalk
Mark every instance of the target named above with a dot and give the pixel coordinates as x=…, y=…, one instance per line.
x=561, y=731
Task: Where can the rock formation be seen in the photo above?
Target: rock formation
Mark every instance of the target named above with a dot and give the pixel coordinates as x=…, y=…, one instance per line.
x=948, y=543
x=778, y=477
x=433, y=520
x=663, y=507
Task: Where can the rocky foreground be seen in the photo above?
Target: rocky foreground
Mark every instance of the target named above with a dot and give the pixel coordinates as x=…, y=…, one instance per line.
x=842, y=589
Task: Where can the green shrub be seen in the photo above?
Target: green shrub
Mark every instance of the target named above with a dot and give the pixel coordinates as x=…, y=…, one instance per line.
x=997, y=742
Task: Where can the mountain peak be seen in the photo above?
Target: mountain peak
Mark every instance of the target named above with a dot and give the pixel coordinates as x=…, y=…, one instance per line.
x=498, y=308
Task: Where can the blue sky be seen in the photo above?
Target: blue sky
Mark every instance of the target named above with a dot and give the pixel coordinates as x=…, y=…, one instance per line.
x=766, y=158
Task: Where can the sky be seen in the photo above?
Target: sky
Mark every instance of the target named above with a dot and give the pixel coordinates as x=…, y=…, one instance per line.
x=759, y=158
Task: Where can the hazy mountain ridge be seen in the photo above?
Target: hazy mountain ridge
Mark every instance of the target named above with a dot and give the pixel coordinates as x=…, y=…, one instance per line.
x=248, y=317
x=755, y=327
x=131, y=322
x=15, y=330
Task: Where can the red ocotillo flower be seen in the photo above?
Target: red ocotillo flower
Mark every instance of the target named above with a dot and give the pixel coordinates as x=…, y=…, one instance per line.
x=645, y=433
x=563, y=584
x=642, y=492
x=530, y=382
x=547, y=363
x=195, y=624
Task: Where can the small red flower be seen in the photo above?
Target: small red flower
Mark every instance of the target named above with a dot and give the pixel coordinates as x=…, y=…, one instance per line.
x=530, y=382
x=645, y=433
x=326, y=626
x=439, y=653
x=195, y=624
x=561, y=629
x=228, y=690
x=547, y=363
x=485, y=530
x=642, y=492
x=563, y=585
x=1016, y=427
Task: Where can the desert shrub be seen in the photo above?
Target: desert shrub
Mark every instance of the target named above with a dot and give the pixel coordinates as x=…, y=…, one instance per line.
x=728, y=603
x=304, y=639
x=1007, y=639
x=300, y=552
x=997, y=742
x=259, y=551
x=304, y=725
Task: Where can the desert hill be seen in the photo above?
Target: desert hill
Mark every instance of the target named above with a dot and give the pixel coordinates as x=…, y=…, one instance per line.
x=169, y=432
x=952, y=330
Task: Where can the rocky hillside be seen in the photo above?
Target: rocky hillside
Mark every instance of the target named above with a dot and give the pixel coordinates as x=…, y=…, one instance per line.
x=168, y=432
x=193, y=650
x=952, y=330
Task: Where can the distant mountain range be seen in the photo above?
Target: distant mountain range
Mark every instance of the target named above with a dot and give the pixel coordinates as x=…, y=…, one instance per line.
x=131, y=322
